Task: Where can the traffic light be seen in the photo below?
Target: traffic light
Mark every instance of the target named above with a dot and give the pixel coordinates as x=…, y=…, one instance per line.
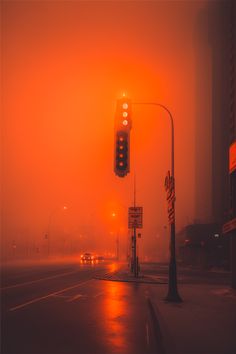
x=122, y=136
x=122, y=153
x=123, y=114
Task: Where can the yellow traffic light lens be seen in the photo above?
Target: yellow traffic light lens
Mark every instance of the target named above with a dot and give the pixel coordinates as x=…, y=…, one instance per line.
x=121, y=138
x=121, y=156
x=125, y=106
x=121, y=163
x=121, y=147
x=125, y=114
x=125, y=122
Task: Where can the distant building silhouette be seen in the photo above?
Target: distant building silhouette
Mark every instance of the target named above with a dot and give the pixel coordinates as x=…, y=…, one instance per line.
x=215, y=107
x=216, y=128
x=203, y=119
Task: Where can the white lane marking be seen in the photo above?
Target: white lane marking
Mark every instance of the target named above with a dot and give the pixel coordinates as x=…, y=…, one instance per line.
x=47, y=296
x=99, y=294
x=62, y=296
x=37, y=280
x=76, y=297
x=147, y=334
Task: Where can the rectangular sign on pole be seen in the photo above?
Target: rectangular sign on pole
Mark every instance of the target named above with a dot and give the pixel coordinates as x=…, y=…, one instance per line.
x=232, y=157
x=135, y=217
x=229, y=226
x=170, y=189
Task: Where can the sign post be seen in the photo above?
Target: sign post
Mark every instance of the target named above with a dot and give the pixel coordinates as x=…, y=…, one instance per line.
x=135, y=221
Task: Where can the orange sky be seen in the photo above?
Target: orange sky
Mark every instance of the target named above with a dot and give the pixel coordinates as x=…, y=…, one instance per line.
x=64, y=66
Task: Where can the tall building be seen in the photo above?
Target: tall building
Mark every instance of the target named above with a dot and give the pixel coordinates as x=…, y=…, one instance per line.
x=223, y=38
x=220, y=18
x=216, y=120
x=203, y=125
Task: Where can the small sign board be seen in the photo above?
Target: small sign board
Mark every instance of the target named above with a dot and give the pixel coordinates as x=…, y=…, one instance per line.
x=170, y=190
x=232, y=157
x=135, y=217
x=229, y=226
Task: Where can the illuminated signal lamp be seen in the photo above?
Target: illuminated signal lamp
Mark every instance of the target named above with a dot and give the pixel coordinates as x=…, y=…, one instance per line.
x=122, y=136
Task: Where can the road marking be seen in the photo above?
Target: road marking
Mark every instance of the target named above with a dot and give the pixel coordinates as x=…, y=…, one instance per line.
x=99, y=294
x=47, y=296
x=147, y=334
x=62, y=296
x=76, y=297
x=38, y=280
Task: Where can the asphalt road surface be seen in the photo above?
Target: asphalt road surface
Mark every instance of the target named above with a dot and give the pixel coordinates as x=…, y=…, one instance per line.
x=58, y=308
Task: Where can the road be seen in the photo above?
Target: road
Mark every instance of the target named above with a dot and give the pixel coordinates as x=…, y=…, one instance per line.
x=58, y=308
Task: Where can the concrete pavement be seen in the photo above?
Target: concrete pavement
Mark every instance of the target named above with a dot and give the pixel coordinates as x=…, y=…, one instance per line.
x=205, y=323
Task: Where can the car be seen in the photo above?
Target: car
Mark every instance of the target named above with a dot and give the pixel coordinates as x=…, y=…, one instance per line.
x=87, y=257
x=100, y=258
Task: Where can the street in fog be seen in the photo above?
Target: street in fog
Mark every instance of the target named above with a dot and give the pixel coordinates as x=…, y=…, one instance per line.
x=60, y=309
x=118, y=177
x=85, y=308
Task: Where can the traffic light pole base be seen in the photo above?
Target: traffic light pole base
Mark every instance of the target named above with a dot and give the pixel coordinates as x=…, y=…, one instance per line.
x=173, y=297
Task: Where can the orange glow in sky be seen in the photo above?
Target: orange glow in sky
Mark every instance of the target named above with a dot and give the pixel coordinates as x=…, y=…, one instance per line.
x=64, y=66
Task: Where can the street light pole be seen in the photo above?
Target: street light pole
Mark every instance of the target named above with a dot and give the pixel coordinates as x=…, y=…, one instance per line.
x=48, y=235
x=117, y=246
x=172, y=295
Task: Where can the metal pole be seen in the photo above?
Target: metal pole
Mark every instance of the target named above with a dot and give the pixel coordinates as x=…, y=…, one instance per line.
x=172, y=295
x=135, y=253
x=135, y=239
x=117, y=246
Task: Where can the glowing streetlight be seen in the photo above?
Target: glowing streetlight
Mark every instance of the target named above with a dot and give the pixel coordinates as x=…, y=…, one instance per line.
x=48, y=236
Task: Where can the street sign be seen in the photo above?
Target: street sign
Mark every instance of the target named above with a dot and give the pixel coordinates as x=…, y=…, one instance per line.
x=229, y=226
x=232, y=157
x=170, y=189
x=135, y=217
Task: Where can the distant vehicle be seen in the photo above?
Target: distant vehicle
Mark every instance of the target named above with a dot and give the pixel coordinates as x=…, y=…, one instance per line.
x=100, y=258
x=87, y=257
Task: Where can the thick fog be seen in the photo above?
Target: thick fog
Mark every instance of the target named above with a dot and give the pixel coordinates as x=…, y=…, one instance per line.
x=64, y=65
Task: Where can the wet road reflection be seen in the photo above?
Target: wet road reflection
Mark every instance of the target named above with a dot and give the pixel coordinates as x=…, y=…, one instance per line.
x=82, y=315
x=125, y=317
x=115, y=313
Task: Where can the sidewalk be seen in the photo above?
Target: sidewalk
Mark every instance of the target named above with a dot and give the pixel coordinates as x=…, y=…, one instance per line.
x=204, y=323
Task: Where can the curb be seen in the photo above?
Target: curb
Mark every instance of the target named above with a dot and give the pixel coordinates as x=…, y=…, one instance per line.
x=128, y=279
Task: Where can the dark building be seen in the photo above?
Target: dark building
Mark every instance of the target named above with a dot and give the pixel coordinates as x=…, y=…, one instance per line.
x=203, y=127
x=201, y=245
x=223, y=40
x=221, y=33
x=216, y=122
x=222, y=37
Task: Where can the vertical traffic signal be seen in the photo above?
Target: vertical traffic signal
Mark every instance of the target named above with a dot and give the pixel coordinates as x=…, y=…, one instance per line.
x=122, y=153
x=122, y=137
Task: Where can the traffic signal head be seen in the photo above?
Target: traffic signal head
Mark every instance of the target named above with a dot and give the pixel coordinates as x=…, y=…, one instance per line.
x=123, y=114
x=121, y=153
x=123, y=125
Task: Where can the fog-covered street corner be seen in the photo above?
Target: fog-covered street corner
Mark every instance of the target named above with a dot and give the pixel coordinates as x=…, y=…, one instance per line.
x=118, y=177
x=204, y=322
